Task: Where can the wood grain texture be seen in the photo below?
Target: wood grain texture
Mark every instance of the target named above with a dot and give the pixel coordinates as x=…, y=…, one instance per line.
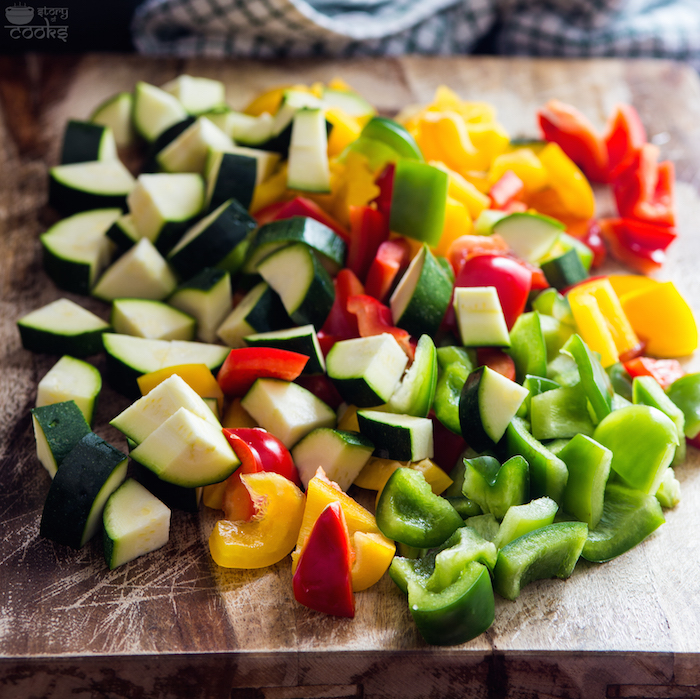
x=172, y=623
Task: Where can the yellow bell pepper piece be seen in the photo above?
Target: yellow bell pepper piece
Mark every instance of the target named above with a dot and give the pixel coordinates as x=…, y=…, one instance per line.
x=346, y=129
x=601, y=320
x=490, y=140
x=273, y=189
x=376, y=472
x=196, y=376
x=438, y=480
x=373, y=556
x=372, y=551
x=348, y=420
x=464, y=191
x=625, y=283
x=355, y=186
x=568, y=182
x=445, y=133
x=663, y=319
x=472, y=112
x=525, y=164
x=270, y=535
x=236, y=415
x=270, y=100
x=457, y=223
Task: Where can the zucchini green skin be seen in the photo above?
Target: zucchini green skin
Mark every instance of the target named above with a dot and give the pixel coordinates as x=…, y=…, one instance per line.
x=82, y=142
x=298, y=229
x=235, y=180
x=121, y=236
x=306, y=343
x=68, y=274
x=164, y=139
x=67, y=200
x=217, y=244
x=63, y=426
x=75, y=488
x=80, y=345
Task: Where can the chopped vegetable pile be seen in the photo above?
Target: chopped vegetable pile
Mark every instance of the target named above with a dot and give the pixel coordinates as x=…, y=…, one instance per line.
x=308, y=299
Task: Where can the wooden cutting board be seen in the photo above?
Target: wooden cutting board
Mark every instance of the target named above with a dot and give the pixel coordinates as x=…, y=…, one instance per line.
x=172, y=624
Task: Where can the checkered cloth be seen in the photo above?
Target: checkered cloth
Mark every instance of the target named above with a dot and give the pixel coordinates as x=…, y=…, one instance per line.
x=282, y=28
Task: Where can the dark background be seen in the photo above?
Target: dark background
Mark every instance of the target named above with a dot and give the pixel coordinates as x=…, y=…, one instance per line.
x=93, y=25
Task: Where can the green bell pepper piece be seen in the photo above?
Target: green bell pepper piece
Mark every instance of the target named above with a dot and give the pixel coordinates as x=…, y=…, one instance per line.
x=394, y=135
x=454, y=366
x=620, y=380
x=562, y=412
x=495, y=487
x=449, y=589
x=642, y=441
x=685, y=393
x=463, y=505
x=550, y=302
x=378, y=153
x=629, y=517
x=595, y=382
x=555, y=334
x=527, y=346
x=647, y=391
x=486, y=526
x=669, y=492
x=521, y=519
x=548, y=473
x=418, y=201
x=408, y=511
x=589, y=468
x=548, y=552
x=536, y=385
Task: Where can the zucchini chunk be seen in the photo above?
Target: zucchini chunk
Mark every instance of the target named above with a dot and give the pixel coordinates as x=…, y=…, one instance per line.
x=286, y=410
x=220, y=239
x=71, y=379
x=163, y=205
x=422, y=296
x=84, y=141
x=57, y=429
x=342, y=454
x=366, y=370
x=151, y=319
x=188, y=152
x=197, y=95
x=260, y=310
x=123, y=233
x=207, y=298
x=155, y=110
x=99, y=184
x=187, y=450
x=116, y=112
x=480, y=318
x=88, y=475
x=141, y=272
x=398, y=437
x=308, y=294
x=135, y=523
x=308, y=168
x=62, y=327
x=149, y=412
x=76, y=249
x=529, y=236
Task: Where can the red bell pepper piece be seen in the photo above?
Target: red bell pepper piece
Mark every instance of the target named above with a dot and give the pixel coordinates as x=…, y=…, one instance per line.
x=511, y=279
x=258, y=450
x=301, y=206
x=244, y=366
x=385, y=181
x=665, y=371
x=466, y=246
x=506, y=191
x=369, y=228
x=374, y=318
x=644, y=188
x=496, y=359
x=269, y=212
x=340, y=323
x=393, y=256
x=637, y=244
x=576, y=136
x=448, y=445
x=323, y=580
x=624, y=135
